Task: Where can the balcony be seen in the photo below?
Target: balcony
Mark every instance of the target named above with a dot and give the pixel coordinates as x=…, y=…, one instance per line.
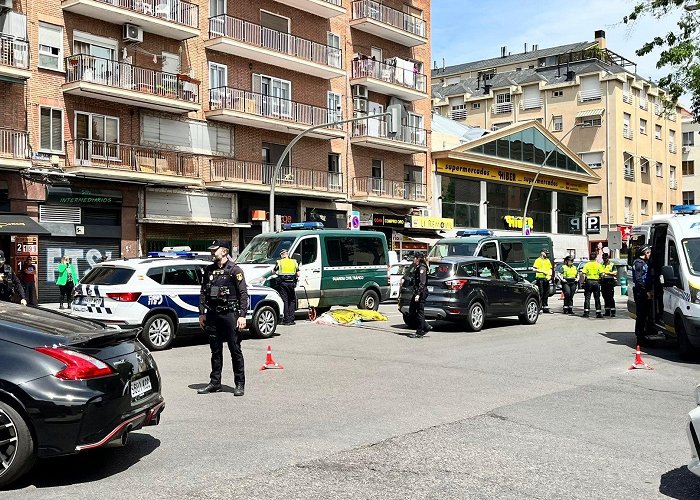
x=458, y=114
x=673, y=184
x=390, y=192
x=176, y=19
x=14, y=60
x=373, y=133
x=531, y=104
x=244, y=39
x=120, y=82
x=627, y=132
x=226, y=173
x=321, y=8
x=672, y=148
x=377, y=19
x=643, y=104
x=627, y=97
x=404, y=83
x=502, y=108
x=590, y=95
x=14, y=149
x=628, y=218
x=251, y=109
x=132, y=163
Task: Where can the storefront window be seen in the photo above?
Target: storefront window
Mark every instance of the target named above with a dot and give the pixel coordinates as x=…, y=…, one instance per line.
x=570, y=210
x=510, y=200
x=460, y=201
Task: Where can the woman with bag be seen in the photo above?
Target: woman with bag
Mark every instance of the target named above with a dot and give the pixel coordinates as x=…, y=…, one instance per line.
x=67, y=276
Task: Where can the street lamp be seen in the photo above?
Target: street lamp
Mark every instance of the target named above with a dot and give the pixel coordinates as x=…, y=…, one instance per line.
x=537, y=174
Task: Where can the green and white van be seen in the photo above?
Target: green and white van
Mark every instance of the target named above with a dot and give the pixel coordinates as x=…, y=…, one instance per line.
x=336, y=266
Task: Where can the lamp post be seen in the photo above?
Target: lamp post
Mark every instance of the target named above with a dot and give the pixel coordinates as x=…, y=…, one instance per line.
x=537, y=174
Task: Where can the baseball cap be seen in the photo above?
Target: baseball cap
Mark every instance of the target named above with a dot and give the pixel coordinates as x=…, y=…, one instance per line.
x=219, y=243
x=545, y=250
x=569, y=258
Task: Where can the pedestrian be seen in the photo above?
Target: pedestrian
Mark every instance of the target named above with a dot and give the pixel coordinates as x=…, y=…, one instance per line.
x=543, y=275
x=288, y=275
x=29, y=281
x=641, y=279
x=67, y=277
x=9, y=283
x=591, y=286
x=608, y=280
x=416, y=310
x=569, y=281
x=223, y=305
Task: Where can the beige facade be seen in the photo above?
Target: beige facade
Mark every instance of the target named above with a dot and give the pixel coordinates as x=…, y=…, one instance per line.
x=690, y=168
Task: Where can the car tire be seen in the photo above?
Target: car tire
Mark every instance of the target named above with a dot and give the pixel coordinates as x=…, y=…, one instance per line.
x=20, y=452
x=532, y=312
x=476, y=316
x=264, y=322
x=369, y=300
x=685, y=348
x=410, y=322
x=158, y=332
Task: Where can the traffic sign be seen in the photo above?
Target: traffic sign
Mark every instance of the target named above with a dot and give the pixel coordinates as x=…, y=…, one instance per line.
x=354, y=220
x=593, y=225
x=615, y=240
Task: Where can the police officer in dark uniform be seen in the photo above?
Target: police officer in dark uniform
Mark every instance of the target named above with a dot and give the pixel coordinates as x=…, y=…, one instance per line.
x=420, y=292
x=9, y=282
x=223, y=304
x=287, y=274
x=642, y=293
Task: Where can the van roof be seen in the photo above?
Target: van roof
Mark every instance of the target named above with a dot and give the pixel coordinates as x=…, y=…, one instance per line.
x=328, y=232
x=476, y=239
x=688, y=225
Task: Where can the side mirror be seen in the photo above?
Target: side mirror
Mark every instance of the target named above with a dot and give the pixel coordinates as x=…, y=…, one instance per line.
x=297, y=257
x=668, y=277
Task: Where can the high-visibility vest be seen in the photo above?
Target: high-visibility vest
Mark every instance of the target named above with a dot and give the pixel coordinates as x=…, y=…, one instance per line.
x=569, y=271
x=286, y=267
x=592, y=270
x=544, y=265
x=608, y=268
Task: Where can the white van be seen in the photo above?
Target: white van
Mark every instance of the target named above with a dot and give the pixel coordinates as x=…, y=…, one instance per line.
x=675, y=268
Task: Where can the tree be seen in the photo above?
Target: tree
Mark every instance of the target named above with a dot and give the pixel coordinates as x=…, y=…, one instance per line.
x=680, y=49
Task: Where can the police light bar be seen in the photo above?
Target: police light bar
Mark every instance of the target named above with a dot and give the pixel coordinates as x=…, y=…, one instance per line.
x=475, y=232
x=302, y=225
x=685, y=209
x=177, y=253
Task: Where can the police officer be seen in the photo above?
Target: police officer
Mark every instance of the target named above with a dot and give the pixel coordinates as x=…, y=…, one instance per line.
x=569, y=281
x=223, y=304
x=288, y=274
x=416, y=310
x=642, y=293
x=608, y=279
x=591, y=275
x=543, y=274
x=9, y=282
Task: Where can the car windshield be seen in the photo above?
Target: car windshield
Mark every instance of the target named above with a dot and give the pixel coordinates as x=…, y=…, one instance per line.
x=264, y=250
x=691, y=248
x=441, y=270
x=107, y=275
x=448, y=249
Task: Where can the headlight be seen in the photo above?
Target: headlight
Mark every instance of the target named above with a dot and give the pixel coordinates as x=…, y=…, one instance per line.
x=694, y=294
x=697, y=395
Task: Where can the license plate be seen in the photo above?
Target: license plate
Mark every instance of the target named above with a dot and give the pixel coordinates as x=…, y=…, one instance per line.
x=140, y=387
x=94, y=301
x=430, y=289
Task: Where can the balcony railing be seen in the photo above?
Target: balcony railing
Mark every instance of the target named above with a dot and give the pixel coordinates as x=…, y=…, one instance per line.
x=658, y=109
x=590, y=95
x=502, y=108
x=672, y=148
x=368, y=68
x=176, y=11
x=226, y=169
x=87, y=68
x=14, y=53
x=628, y=218
x=14, y=144
x=673, y=184
x=532, y=103
x=379, y=128
x=271, y=107
x=117, y=156
x=385, y=188
x=627, y=133
x=643, y=104
x=627, y=97
x=375, y=10
x=629, y=173
x=459, y=114
x=273, y=40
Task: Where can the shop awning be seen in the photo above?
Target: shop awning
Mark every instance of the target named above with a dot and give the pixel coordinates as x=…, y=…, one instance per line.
x=590, y=112
x=427, y=241
x=20, y=224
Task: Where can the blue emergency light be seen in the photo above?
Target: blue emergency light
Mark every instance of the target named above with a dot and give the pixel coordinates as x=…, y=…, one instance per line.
x=302, y=225
x=685, y=209
x=475, y=232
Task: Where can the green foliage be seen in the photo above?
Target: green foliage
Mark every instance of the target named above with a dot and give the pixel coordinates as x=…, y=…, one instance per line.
x=679, y=49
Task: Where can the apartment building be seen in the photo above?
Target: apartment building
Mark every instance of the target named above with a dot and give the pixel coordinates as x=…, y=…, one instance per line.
x=130, y=125
x=690, y=193
x=592, y=101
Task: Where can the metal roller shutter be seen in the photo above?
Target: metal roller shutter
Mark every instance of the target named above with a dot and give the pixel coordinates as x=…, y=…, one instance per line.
x=86, y=252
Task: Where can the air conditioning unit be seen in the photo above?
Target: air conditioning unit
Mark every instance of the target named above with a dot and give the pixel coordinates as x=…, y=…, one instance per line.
x=686, y=150
x=132, y=33
x=424, y=212
x=360, y=91
x=361, y=105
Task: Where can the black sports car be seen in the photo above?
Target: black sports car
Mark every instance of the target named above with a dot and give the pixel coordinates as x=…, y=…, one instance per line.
x=68, y=385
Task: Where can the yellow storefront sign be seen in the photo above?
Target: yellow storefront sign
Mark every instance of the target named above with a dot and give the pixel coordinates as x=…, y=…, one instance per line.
x=431, y=223
x=496, y=174
x=516, y=222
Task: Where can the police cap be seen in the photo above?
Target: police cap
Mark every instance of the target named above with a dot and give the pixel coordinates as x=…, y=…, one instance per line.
x=568, y=258
x=418, y=255
x=283, y=252
x=644, y=249
x=545, y=250
x=220, y=244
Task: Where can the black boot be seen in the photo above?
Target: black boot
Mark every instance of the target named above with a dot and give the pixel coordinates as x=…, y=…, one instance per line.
x=598, y=315
x=209, y=389
x=585, y=314
x=239, y=390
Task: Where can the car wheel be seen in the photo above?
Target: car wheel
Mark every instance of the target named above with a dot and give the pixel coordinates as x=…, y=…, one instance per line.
x=158, y=332
x=264, y=322
x=410, y=322
x=685, y=348
x=532, y=312
x=369, y=300
x=476, y=316
x=16, y=445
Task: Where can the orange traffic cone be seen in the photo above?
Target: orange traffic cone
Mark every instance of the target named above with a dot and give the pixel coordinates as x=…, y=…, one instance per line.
x=639, y=363
x=270, y=363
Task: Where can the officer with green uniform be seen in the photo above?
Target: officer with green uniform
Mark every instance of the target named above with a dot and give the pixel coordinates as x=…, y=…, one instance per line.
x=591, y=271
x=608, y=279
x=569, y=280
x=288, y=274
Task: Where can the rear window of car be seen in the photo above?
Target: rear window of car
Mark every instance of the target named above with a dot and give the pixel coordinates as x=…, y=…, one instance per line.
x=441, y=270
x=107, y=276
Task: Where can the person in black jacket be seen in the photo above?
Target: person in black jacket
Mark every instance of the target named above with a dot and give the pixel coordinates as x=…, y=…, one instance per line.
x=223, y=304
x=420, y=292
x=643, y=294
x=9, y=282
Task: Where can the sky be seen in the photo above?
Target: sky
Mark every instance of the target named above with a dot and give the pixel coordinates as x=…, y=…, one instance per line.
x=465, y=30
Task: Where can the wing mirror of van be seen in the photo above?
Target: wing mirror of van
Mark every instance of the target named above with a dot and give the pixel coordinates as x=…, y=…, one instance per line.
x=668, y=276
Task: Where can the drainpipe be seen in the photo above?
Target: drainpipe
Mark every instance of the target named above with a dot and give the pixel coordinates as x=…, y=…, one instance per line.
x=607, y=153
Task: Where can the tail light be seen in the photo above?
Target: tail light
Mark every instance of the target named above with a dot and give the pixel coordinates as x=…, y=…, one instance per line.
x=125, y=296
x=79, y=366
x=456, y=284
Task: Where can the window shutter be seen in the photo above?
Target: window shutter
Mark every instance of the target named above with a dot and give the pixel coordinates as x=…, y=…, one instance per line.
x=257, y=83
x=590, y=83
x=45, y=126
x=56, y=129
x=50, y=35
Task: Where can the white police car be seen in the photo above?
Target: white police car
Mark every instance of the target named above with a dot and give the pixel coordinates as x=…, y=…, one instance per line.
x=161, y=293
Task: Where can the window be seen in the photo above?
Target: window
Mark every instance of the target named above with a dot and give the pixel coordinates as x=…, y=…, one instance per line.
x=485, y=269
x=629, y=167
x=476, y=105
x=50, y=46
x=503, y=98
x=644, y=206
x=659, y=169
x=218, y=77
x=688, y=167
x=334, y=163
x=378, y=176
x=186, y=135
x=673, y=259
x=644, y=166
x=355, y=251
x=689, y=138
x=557, y=123
x=180, y=275
x=335, y=178
x=672, y=177
x=276, y=95
x=309, y=250
x=688, y=197
x=642, y=126
x=505, y=273
x=512, y=252
x=51, y=129
x=156, y=274
x=593, y=159
x=96, y=136
x=557, y=93
x=334, y=107
x=626, y=130
x=591, y=122
x=657, y=132
x=334, y=53
x=628, y=207
x=489, y=251
x=595, y=203
x=659, y=208
x=217, y=7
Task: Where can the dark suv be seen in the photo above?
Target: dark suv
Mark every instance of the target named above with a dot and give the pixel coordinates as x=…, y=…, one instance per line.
x=471, y=289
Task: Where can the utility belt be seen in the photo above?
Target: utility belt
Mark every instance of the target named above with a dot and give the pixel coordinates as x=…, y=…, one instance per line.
x=592, y=280
x=607, y=281
x=571, y=281
x=287, y=278
x=223, y=307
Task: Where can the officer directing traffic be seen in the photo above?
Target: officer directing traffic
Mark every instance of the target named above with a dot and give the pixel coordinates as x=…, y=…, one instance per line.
x=543, y=274
x=223, y=304
x=288, y=274
x=608, y=279
x=591, y=274
x=9, y=282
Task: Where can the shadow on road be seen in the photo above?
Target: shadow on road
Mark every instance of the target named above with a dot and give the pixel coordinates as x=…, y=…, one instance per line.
x=661, y=348
x=196, y=387
x=680, y=483
x=89, y=466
